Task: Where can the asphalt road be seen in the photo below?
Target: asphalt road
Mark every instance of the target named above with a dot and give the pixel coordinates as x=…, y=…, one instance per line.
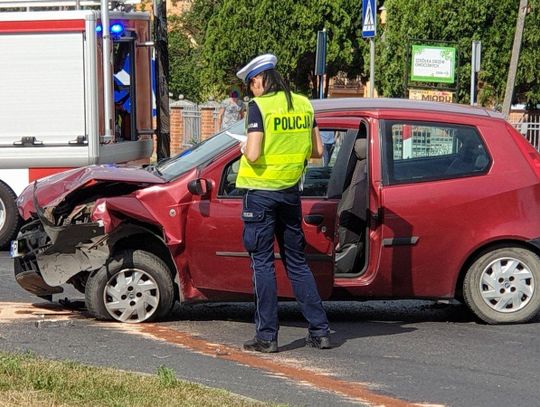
x=416, y=351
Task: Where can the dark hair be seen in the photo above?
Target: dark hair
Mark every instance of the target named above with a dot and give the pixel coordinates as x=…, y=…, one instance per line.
x=234, y=94
x=273, y=82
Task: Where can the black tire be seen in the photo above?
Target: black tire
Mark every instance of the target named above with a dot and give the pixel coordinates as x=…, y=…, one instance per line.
x=9, y=215
x=499, y=297
x=113, y=276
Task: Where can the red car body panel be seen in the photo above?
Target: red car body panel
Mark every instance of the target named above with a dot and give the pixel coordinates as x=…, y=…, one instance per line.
x=464, y=213
x=214, y=251
x=52, y=190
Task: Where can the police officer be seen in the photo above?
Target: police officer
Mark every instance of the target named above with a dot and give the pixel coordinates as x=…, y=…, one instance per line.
x=281, y=137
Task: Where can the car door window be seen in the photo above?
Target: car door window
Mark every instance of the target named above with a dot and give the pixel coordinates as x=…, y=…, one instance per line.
x=415, y=152
x=316, y=177
x=317, y=174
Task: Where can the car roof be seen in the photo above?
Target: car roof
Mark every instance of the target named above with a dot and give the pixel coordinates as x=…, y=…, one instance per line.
x=371, y=104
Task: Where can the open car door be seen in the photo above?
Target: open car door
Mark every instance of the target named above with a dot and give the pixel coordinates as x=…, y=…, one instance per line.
x=218, y=262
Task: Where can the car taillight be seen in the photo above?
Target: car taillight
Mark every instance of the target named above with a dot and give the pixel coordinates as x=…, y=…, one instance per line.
x=532, y=156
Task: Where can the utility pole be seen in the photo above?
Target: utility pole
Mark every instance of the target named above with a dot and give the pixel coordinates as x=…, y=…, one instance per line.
x=108, y=92
x=161, y=73
x=510, y=82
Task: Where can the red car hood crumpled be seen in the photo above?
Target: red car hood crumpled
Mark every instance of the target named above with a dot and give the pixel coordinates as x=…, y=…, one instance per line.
x=52, y=190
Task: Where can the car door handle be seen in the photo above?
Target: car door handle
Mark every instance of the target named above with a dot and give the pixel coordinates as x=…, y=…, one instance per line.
x=315, y=219
x=400, y=241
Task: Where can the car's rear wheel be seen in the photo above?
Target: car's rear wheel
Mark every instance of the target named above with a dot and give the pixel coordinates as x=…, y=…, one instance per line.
x=9, y=216
x=135, y=286
x=503, y=286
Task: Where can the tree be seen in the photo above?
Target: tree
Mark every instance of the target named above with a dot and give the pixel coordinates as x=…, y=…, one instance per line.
x=461, y=22
x=183, y=62
x=242, y=29
x=528, y=85
x=186, y=34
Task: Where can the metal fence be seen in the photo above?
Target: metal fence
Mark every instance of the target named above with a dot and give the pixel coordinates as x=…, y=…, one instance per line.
x=530, y=129
x=196, y=124
x=191, y=115
x=425, y=141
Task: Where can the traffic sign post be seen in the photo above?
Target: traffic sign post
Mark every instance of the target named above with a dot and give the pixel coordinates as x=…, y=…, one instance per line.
x=320, y=60
x=475, y=68
x=369, y=18
x=369, y=30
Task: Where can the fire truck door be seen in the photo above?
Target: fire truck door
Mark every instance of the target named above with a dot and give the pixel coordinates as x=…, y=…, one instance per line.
x=125, y=104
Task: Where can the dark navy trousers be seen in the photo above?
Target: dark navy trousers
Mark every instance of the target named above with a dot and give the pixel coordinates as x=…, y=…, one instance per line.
x=278, y=213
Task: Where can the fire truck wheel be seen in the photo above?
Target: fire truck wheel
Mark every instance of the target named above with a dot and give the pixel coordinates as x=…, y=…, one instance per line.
x=9, y=216
x=135, y=286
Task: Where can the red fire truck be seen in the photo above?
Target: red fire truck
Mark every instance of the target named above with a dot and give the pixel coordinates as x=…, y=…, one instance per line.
x=69, y=95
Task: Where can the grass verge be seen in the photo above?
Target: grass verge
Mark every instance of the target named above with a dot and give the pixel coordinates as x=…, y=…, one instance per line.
x=26, y=380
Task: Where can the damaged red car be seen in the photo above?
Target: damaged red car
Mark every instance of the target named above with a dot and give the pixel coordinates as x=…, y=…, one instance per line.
x=419, y=200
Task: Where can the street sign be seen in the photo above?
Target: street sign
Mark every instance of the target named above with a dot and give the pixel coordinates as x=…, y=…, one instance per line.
x=475, y=67
x=432, y=95
x=320, y=60
x=369, y=18
x=476, y=55
x=320, y=55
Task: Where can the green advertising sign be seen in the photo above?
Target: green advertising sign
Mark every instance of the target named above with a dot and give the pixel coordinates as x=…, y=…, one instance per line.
x=433, y=64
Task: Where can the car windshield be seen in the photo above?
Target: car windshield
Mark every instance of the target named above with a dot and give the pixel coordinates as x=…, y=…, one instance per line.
x=200, y=153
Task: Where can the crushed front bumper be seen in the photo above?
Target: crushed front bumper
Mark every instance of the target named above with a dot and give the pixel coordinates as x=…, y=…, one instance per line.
x=45, y=256
x=29, y=278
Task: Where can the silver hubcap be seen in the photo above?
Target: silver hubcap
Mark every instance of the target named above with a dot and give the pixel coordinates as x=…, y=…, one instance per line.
x=2, y=214
x=131, y=295
x=507, y=285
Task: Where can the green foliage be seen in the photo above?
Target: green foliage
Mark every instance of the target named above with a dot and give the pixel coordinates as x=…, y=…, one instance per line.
x=225, y=34
x=186, y=33
x=33, y=381
x=461, y=22
x=217, y=37
x=528, y=85
x=183, y=62
x=166, y=376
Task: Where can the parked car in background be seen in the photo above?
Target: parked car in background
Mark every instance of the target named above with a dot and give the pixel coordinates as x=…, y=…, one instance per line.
x=419, y=200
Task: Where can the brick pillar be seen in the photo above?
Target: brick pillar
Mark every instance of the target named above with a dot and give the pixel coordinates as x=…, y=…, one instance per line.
x=209, y=125
x=517, y=116
x=177, y=128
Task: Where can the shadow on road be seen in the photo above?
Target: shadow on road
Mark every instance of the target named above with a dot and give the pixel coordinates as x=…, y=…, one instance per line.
x=348, y=320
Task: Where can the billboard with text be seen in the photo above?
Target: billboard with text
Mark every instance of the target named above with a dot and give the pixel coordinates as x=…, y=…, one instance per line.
x=433, y=64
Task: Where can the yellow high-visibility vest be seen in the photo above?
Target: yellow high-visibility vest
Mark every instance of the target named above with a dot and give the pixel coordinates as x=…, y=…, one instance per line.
x=286, y=144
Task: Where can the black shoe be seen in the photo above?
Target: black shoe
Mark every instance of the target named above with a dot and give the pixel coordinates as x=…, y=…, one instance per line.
x=259, y=345
x=319, y=342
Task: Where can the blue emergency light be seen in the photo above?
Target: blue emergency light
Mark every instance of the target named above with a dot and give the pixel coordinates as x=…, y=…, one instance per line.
x=116, y=29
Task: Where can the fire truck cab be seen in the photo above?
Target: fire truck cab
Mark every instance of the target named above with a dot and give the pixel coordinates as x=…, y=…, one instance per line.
x=70, y=95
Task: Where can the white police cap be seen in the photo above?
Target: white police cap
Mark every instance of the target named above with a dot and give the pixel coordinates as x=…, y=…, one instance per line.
x=256, y=66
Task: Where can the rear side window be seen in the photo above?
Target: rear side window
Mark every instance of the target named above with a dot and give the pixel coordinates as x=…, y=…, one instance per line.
x=416, y=152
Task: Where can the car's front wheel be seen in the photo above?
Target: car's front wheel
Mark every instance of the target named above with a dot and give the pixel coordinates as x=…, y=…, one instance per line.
x=503, y=286
x=135, y=286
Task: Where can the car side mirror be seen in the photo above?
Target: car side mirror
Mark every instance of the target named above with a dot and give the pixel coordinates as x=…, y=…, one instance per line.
x=199, y=186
